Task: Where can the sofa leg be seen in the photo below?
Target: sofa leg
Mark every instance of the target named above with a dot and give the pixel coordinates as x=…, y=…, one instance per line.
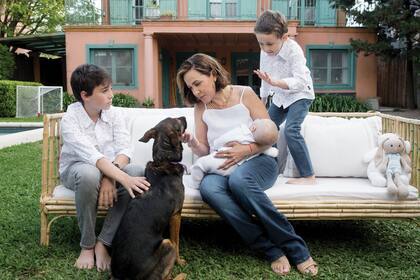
x=44, y=229
x=174, y=228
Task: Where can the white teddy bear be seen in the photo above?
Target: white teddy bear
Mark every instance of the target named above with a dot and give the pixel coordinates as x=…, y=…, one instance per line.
x=378, y=165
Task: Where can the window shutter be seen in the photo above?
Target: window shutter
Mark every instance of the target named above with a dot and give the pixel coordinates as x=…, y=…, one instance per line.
x=325, y=14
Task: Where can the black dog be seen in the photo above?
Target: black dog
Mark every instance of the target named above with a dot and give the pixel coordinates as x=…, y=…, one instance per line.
x=139, y=249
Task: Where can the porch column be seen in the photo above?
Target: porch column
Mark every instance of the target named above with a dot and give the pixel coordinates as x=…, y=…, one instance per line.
x=150, y=70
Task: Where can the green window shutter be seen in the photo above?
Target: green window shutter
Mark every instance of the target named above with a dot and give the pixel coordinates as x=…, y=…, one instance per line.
x=121, y=12
x=325, y=14
x=248, y=9
x=166, y=6
x=197, y=9
x=282, y=6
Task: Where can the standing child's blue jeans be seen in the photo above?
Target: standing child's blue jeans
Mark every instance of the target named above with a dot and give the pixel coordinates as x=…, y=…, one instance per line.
x=241, y=196
x=294, y=116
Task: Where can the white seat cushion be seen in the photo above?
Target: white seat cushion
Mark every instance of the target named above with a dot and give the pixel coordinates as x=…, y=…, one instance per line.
x=325, y=189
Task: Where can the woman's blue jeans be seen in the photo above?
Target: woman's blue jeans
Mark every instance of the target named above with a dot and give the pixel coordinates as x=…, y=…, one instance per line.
x=294, y=116
x=241, y=196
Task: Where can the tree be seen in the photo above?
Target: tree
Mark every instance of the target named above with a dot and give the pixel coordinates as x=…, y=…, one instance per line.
x=7, y=63
x=397, y=24
x=82, y=12
x=27, y=17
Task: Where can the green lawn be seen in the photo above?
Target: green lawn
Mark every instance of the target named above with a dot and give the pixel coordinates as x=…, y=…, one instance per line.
x=344, y=250
x=32, y=119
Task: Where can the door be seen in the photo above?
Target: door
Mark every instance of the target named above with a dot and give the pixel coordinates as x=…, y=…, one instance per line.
x=243, y=66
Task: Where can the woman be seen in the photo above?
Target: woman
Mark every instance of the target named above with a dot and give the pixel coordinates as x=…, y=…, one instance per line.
x=218, y=108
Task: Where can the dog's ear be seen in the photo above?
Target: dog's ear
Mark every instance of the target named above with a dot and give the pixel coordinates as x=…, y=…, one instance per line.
x=183, y=121
x=151, y=133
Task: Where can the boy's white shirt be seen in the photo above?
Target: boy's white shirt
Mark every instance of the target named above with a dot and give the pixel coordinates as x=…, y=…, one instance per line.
x=288, y=65
x=86, y=141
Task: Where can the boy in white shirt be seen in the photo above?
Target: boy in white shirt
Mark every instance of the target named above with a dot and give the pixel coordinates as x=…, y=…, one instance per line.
x=94, y=162
x=284, y=73
x=261, y=131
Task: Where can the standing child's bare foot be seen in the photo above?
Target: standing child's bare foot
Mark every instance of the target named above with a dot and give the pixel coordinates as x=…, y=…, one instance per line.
x=310, y=180
x=281, y=266
x=86, y=259
x=103, y=260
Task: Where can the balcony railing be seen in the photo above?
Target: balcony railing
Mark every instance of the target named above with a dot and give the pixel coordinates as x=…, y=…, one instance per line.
x=222, y=9
x=307, y=12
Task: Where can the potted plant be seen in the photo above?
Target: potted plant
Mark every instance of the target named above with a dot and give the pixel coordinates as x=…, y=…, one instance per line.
x=167, y=15
x=151, y=10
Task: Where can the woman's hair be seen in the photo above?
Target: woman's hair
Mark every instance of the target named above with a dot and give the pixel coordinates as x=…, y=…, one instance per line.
x=271, y=22
x=206, y=65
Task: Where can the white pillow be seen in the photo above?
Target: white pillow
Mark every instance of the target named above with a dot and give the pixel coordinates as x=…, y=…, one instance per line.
x=337, y=145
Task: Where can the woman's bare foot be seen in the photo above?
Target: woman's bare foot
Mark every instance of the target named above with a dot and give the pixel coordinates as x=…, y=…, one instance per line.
x=281, y=266
x=103, y=260
x=86, y=259
x=308, y=267
x=310, y=180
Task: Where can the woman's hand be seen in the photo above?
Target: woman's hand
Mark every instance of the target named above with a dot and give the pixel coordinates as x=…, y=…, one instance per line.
x=235, y=154
x=188, y=138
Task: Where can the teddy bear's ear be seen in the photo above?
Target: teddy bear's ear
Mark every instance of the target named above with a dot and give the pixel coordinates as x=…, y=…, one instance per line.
x=379, y=156
x=407, y=146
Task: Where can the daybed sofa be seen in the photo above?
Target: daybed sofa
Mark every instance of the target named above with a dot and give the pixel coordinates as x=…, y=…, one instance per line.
x=336, y=141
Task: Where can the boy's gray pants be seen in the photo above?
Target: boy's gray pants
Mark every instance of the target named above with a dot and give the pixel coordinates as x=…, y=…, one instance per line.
x=84, y=179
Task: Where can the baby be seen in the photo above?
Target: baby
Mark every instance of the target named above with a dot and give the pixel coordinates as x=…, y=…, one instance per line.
x=260, y=132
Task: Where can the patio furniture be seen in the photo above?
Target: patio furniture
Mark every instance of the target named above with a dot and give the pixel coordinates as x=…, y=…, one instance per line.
x=343, y=192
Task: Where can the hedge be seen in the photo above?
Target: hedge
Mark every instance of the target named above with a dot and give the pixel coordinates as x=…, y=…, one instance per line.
x=8, y=96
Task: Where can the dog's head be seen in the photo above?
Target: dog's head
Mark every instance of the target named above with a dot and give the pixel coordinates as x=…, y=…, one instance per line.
x=168, y=139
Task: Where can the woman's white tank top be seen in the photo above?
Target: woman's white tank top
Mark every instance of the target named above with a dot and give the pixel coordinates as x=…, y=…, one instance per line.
x=220, y=121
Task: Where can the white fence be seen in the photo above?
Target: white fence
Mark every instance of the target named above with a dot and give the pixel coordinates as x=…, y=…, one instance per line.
x=35, y=100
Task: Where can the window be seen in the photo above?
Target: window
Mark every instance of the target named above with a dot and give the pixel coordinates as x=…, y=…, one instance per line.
x=306, y=11
x=223, y=8
x=119, y=62
x=332, y=67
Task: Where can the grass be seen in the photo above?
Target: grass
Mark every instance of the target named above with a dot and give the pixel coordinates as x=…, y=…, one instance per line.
x=344, y=249
x=31, y=119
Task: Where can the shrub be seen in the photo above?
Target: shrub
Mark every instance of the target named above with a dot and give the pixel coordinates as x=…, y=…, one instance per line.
x=148, y=103
x=7, y=63
x=67, y=100
x=337, y=103
x=8, y=96
x=125, y=100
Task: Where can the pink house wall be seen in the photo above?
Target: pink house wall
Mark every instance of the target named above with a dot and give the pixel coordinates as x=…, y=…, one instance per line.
x=366, y=69
x=76, y=48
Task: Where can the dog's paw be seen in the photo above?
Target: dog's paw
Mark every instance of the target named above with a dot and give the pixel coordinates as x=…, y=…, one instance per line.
x=181, y=261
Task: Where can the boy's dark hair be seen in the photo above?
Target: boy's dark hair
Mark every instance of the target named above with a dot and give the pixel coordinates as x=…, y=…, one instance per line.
x=271, y=22
x=206, y=65
x=86, y=77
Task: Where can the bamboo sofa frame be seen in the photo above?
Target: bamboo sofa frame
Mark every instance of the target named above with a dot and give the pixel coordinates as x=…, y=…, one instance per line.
x=52, y=209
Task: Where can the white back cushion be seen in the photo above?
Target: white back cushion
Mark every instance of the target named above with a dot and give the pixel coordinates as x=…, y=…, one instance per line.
x=337, y=145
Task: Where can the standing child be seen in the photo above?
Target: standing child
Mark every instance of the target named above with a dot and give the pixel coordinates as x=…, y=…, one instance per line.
x=95, y=155
x=284, y=73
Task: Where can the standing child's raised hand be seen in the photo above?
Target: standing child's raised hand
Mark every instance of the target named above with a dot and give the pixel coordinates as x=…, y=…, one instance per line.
x=264, y=76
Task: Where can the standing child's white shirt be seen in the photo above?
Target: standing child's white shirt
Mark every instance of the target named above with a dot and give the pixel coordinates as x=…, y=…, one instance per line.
x=288, y=65
x=87, y=141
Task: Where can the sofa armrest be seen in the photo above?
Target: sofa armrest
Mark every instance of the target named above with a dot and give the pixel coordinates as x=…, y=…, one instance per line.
x=51, y=148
